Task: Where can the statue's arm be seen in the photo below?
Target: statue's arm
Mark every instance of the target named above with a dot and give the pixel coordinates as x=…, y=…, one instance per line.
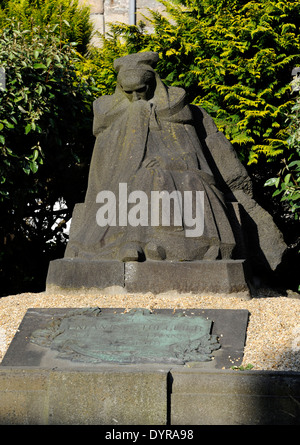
x=222, y=154
x=107, y=109
x=265, y=242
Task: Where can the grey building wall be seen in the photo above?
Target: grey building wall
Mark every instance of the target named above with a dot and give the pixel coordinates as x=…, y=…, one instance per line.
x=104, y=12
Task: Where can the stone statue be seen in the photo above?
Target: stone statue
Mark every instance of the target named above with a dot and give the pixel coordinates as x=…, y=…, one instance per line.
x=146, y=139
x=153, y=149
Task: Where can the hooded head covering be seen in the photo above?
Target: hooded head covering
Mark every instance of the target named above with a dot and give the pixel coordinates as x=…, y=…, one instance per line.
x=139, y=61
x=136, y=71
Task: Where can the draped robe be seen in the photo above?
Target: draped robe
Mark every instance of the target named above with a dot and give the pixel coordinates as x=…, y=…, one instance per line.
x=149, y=146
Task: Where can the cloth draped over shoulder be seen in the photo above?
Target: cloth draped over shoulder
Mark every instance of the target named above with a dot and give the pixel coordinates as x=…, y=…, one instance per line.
x=150, y=146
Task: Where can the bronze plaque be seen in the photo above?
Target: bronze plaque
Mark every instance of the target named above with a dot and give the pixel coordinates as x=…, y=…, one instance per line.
x=137, y=336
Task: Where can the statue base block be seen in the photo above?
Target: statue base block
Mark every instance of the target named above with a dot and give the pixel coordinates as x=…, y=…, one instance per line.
x=195, y=277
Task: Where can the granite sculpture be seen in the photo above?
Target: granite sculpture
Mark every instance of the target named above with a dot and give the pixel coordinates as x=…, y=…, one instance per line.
x=151, y=143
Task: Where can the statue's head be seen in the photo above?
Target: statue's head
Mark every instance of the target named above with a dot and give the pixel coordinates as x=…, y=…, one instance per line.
x=136, y=75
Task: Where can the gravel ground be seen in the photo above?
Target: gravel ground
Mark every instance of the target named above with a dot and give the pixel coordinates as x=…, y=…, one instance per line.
x=273, y=335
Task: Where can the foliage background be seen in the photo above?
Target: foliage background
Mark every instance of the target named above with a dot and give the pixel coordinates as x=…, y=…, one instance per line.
x=71, y=21
x=45, y=138
x=234, y=58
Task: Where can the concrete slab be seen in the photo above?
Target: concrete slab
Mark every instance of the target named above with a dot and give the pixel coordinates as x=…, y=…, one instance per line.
x=226, y=276
x=74, y=273
x=23, y=396
x=235, y=398
x=127, y=396
x=130, y=395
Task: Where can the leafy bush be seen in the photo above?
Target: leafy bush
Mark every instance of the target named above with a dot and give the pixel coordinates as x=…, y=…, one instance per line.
x=98, y=63
x=287, y=182
x=234, y=57
x=45, y=146
x=70, y=19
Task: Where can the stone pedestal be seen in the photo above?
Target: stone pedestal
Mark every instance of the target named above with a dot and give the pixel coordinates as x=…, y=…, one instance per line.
x=195, y=277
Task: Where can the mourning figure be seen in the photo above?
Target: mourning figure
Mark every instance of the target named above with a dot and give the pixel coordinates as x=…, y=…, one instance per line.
x=164, y=186
x=146, y=139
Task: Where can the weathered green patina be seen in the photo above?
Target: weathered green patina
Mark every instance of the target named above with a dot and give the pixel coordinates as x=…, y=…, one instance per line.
x=137, y=336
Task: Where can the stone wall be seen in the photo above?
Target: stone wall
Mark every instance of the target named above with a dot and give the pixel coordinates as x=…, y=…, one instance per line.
x=139, y=395
x=104, y=12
